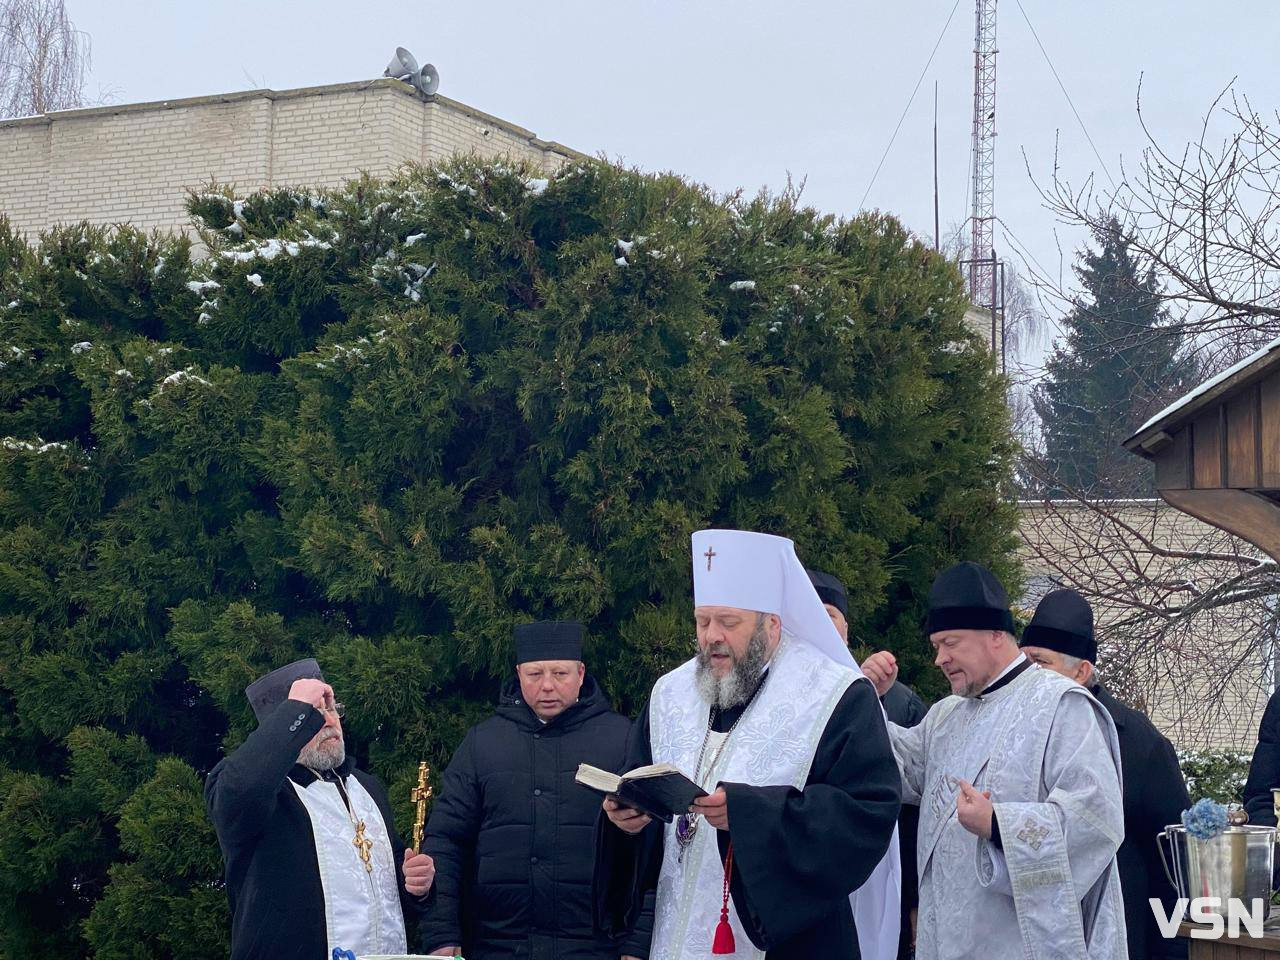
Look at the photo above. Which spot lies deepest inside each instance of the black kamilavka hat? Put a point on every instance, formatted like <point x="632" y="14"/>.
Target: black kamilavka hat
<point x="548" y="640"/>
<point x="968" y="597"/>
<point x="1063" y="621"/>
<point x="269" y="691"/>
<point x="830" y="590"/>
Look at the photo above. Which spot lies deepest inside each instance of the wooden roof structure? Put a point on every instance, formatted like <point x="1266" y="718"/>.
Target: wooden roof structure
<point x="1217" y="450"/>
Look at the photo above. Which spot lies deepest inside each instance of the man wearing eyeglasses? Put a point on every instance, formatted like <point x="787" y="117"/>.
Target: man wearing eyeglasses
<point x="313" y="860"/>
<point x="511" y="831"/>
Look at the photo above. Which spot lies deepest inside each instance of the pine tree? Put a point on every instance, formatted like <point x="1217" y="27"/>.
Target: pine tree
<point x="1119" y="362"/>
<point x="385" y="423"/>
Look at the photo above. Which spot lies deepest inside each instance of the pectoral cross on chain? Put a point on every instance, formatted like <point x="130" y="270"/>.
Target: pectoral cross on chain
<point x="709" y="554"/>
<point x="365" y="846"/>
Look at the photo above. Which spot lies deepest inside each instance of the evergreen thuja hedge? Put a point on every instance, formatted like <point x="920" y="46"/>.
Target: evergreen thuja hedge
<point x="384" y="424"/>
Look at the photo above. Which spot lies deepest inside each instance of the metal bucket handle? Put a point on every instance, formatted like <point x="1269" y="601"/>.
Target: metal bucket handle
<point x="1173" y="873"/>
<point x="1163" y="837"/>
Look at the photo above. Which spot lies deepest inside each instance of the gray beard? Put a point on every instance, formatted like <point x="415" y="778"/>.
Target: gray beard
<point x="323" y="756"/>
<point x="735" y="687"/>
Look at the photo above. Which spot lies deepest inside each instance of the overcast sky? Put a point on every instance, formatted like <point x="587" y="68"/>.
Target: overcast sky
<point x="741" y="93"/>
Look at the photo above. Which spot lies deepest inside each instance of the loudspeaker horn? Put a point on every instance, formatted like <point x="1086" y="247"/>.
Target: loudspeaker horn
<point x="427" y="80"/>
<point x="401" y="65"/>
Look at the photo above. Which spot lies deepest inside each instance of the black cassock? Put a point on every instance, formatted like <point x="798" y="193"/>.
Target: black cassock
<point x="1264" y="770"/>
<point x="797" y="855"/>
<point x="903" y="706"/>
<point x="1155" y="794"/>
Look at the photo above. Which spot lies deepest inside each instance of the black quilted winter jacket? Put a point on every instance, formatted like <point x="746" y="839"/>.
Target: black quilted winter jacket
<point x="512" y="835"/>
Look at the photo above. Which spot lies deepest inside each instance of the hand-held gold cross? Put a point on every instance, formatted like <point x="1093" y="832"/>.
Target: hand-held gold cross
<point x="420" y="795"/>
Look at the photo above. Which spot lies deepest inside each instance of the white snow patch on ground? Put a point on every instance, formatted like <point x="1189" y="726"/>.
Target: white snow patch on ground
<point x="742" y="285"/>
<point x="84" y="346"/>
<point x="254" y="279"/>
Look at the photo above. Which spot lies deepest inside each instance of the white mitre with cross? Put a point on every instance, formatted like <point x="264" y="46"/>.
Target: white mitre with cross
<point x="761" y="572"/>
<point x="757" y="571"/>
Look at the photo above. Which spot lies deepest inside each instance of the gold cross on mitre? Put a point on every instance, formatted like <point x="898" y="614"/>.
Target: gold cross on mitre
<point x="709" y="554"/>
<point x="365" y="846"/>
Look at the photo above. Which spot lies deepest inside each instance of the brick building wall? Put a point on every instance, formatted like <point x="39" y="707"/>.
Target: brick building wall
<point x="1206" y="683"/>
<point x="134" y="163"/>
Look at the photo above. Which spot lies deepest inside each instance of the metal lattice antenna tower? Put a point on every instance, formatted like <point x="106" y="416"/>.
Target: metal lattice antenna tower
<point x="982" y="273"/>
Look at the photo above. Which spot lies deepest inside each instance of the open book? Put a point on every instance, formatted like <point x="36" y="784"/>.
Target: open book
<point x="660" y="790"/>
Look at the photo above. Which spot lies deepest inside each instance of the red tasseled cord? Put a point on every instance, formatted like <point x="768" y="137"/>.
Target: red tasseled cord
<point x="723" y="943"/>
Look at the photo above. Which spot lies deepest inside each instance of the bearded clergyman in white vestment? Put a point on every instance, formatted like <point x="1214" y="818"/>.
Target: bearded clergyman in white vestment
<point x="793" y="855"/>
<point x="1018" y="780"/>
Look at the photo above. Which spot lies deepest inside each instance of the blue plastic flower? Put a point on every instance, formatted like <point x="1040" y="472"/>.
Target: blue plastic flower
<point x="1205" y="820"/>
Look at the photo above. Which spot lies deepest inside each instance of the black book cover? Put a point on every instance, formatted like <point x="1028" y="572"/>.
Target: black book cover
<point x="662" y="796"/>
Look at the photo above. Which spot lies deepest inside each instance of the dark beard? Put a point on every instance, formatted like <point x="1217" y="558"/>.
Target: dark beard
<point x="735" y="687"/>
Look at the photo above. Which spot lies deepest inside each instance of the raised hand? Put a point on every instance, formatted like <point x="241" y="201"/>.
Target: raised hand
<point x="315" y="692"/>
<point x="882" y="670"/>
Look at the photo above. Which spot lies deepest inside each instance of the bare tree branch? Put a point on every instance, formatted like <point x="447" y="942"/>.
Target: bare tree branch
<point x="1207" y="218"/>
<point x="1186" y="613"/>
<point x="43" y="58"/>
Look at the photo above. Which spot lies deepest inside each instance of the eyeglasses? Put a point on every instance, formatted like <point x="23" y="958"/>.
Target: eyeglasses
<point x="338" y="710"/>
